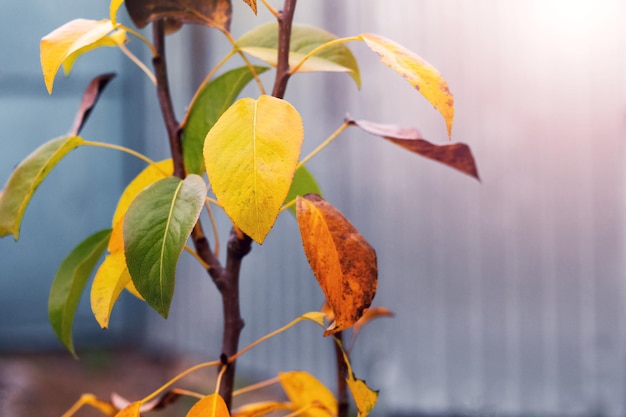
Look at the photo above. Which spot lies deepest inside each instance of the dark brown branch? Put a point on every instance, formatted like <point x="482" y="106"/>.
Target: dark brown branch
<point x="284" y="41"/>
<point x="165" y="99"/>
<point x="342" y="385"/>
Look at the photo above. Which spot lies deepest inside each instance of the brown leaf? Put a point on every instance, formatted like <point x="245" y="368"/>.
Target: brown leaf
<point x="90" y="97"/>
<point x="213" y="13"/>
<point x="456" y="155"/>
<point x="252" y="4"/>
<point x="342" y="260"/>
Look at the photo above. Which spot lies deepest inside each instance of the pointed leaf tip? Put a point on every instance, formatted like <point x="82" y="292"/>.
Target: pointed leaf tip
<point x="420" y="74"/>
<point x="156" y="228"/>
<point x="252" y="4"/>
<point x="457" y="155"/>
<point x="342" y="261"/>
<point x="68" y="284"/>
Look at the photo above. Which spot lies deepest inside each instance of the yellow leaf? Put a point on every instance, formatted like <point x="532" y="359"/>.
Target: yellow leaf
<point x="150" y="175"/>
<point x="261" y="408"/>
<point x="343" y="262"/>
<point x="62" y="42"/>
<point x="420" y="74"/>
<point x="113" y="8"/>
<point x="308" y="394"/>
<point x="111" y="278"/>
<point x="315" y="316"/>
<point x="364" y="397"/>
<point x="250" y="157"/>
<point x="212" y="405"/>
<point x="114" y="39"/>
<point x="132" y="410"/>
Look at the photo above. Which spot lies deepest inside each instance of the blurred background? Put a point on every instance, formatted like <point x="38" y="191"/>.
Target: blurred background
<point x="509" y="294"/>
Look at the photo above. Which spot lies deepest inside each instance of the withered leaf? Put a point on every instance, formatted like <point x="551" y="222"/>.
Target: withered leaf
<point x="90" y="97"/>
<point x="252" y="4"/>
<point x="213" y="13"/>
<point x="456" y="155"/>
<point x="342" y="260"/>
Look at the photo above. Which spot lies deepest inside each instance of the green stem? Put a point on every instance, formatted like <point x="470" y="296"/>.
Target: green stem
<point x="321" y="48"/>
<point x="324" y="144"/>
<point x="122" y="149"/>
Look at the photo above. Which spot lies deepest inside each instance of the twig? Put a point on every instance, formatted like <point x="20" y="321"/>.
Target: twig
<point x="284" y="41"/>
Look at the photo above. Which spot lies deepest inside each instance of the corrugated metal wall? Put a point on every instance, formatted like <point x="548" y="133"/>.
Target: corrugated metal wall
<point x="509" y="294"/>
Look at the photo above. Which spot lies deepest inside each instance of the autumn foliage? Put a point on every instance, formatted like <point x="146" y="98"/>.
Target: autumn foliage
<point x="242" y="156"/>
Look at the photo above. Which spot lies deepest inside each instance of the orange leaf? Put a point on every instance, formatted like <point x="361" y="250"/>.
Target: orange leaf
<point x="341" y="259"/>
<point x="252" y="4"/>
<point x="212" y="405"/>
<point x="420" y="74"/>
<point x="261" y="408"/>
<point x="132" y="410"/>
<point x="371" y="314"/>
<point x="457" y="155"/>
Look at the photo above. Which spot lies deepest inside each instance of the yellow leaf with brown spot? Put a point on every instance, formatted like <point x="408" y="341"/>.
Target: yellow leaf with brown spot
<point x="252" y="4"/>
<point x="342" y="260"/>
<point x="212" y="405"/>
<point x="250" y="156"/>
<point x="308" y="394"/>
<point x="420" y="74"/>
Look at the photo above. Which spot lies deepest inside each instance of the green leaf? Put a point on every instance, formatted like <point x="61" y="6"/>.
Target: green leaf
<point x="213" y="13"/>
<point x="61" y="43"/>
<point x="250" y="156"/>
<point x="25" y="179"/>
<point x="213" y="100"/>
<point x="156" y="228"/>
<point x="69" y="282"/>
<point x="262" y="43"/>
<point x="303" y="183"/>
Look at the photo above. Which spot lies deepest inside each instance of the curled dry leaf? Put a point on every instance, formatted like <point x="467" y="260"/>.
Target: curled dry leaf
<point x="213" y="13"/>
<point x="342" y="260"/>
<point x="456" y="155"/>
<point x="90" y="97"/>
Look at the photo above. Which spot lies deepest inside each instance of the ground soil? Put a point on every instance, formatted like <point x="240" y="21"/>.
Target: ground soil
<point x="46" y="385"/>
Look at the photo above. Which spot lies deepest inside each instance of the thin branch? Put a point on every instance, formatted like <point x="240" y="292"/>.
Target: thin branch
<point x="271" y="9"/>
<point x="165" y="98"/>
<point x="137" y="62"/>
<point x="284" y="40"/>
<point x="342" y="372"/>
<point x="324" y="144"/>
<point x="320" y="49"/>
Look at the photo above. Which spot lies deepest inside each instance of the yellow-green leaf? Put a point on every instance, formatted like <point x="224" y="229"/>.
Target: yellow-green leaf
<point x="308" y="394"/>
<point x="364" y="397"/>
<point x="261" y="408"/>
<point x="156" y="228"/>
<point x="69" y="282"/>
<point x="62" y="42"/>
<point x="109" y="282"/>
<point x="114" y="39"/>
<point x="262" y="43"/>
<point x="25" y="179"/>
<point x="150" y="175"/>
<point x="250" y="156"/>
<point x="113" y="8"/>
<point x="212" y="405"/>
<point x="420" y="74"/>
<point x="342" y="260"/>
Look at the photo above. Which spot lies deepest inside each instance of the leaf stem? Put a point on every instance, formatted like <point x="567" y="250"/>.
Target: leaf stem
<point x="321" y="48"/>
<point x="271" y="9"/>
<point x="205" y="81"/>
<point x="137" y="62"/>
<point x="256" y="386"/>
<point x="243" y="56"/>
<point x="216" y="235"/>
<point x="120" y="148"/>
<point x="323" y="144"/>
<point x="141" y="38"/>
<point x="198" y="258"/>
<point x="179" y="377"/>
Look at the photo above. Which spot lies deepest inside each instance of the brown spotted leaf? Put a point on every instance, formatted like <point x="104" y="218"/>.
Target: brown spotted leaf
<point x="456" y="155"/>
<point x="252" y="4"/>
<point x="213" y="13"/>
<point x="342" y="260"/>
